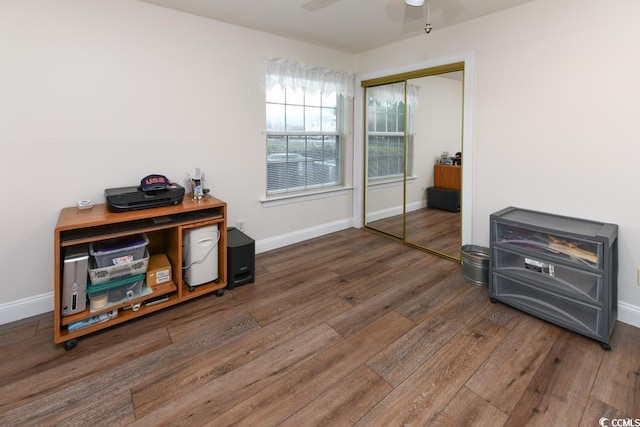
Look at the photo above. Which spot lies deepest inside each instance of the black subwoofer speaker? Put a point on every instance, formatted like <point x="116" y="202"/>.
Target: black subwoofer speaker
<point x="241" y="258"/>
<point x="443" y="198"/>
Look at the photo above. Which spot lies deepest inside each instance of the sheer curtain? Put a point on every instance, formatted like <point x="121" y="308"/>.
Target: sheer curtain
<point x="299" y="76"/>
<point x="394" y="93"/>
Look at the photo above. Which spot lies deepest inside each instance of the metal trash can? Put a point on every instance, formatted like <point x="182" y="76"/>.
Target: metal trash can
<point x="475" y="264"/>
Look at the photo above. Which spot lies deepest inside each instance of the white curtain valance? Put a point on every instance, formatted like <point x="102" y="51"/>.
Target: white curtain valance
<point x="298" y="76"/>
<point x="394" y="93"/>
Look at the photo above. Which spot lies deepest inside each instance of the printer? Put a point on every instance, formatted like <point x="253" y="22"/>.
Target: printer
<point x="154" y="191"/>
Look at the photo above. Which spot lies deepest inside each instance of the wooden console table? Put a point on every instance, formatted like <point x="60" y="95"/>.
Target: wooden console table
<point x="447" y="176"/>
<point x="164" y="228"/>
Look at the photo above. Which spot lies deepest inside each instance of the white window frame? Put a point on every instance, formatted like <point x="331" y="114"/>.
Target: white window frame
<point x="297" y="76"/>
<point x="307" y="188"/>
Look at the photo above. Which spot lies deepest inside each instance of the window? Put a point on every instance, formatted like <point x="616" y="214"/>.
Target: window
<point x="386" y="110"/>
<point x="303" y="140"/>
<point x="386" y="139"/>
<point x="304" y="129"/>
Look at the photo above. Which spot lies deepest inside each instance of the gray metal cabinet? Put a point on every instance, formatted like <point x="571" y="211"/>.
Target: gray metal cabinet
<point x="561" y="269"/>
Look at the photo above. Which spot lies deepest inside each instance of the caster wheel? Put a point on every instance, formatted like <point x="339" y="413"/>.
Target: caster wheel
<point x="605" y="346"/>
<point x="68" y="345"/>
<point x="191" y="289"/>
<point x="219" y="292"/>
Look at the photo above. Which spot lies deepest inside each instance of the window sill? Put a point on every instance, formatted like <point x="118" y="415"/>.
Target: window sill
<point x="285" y="199"/>
<point x="391" y="182"/>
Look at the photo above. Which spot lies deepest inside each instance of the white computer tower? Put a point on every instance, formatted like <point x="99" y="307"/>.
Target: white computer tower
<point x="200" y="255"/>
<point x="74" y="280"/>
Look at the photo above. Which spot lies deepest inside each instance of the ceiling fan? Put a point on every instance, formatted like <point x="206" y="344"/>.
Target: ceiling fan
<point x="419" y="3"/>
<point x="314" y="5"/>
<point x="318" y="4"/>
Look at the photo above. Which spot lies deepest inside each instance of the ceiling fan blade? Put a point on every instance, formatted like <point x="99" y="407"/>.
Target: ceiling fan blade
<point x="314" y="5"/>
<point x="412" y="13"/>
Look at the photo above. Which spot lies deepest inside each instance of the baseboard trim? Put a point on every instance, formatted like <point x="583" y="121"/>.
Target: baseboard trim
<point x="629" y="314"/>
<point x="26" y="307"/>
<point x="396" y="210"/>
<point x="280" y="241"/>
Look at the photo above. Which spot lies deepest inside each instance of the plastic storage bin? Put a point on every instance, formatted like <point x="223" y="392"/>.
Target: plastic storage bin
<point x="561" y="269"/>
<point x="108" y="253"/>
<point x="107" y="274"/>
<point x="114" y="292"/>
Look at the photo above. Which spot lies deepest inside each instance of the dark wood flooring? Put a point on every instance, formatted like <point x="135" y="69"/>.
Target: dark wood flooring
<point x="435" y="229"/>
<point x="346" y="329"/>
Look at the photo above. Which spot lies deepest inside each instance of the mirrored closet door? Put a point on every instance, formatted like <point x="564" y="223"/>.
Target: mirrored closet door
<point x="414" y="159"/>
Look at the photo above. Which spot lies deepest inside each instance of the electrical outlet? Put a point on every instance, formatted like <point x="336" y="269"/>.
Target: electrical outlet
<point x="240" y="224"/>
<point x="638" y="276"/>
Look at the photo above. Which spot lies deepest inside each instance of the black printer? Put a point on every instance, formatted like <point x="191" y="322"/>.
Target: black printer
<point x="154" y="191"/>
<point x="132" y="198"/>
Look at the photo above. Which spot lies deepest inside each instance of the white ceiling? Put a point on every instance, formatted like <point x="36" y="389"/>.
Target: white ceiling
<point x="347" y="25"/>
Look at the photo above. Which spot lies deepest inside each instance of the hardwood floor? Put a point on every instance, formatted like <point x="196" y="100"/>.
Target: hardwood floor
<point x="346" y="329"/>
<point x="431" y="228"/>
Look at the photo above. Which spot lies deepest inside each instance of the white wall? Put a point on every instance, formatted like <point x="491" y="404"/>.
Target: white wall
<point x="96" y="94"/>
<point x="556" y="105"/>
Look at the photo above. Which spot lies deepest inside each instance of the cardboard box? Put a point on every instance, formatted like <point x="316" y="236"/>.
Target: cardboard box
<point x="159" y="270"/>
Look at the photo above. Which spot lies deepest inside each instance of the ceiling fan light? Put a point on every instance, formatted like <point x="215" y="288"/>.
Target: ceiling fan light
<point x="414" y="2"/>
